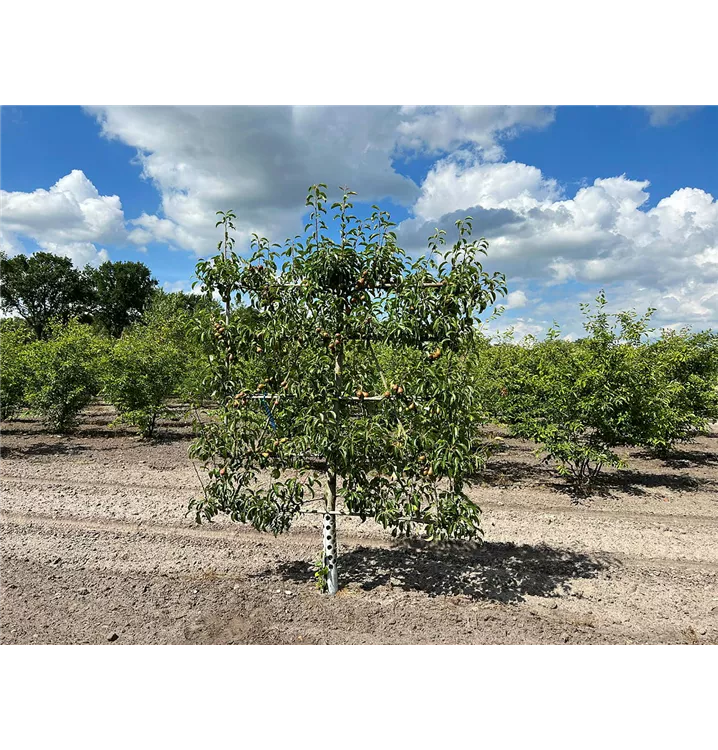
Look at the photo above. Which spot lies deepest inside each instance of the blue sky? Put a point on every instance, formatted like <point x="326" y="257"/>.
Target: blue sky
<point x="572" y="199"/>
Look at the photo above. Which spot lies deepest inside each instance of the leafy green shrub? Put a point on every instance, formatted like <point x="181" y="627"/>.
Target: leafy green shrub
<point x="577" y="400"/>
<point x="15" y="337"/>
<point x="554" y="394"/>
<point x="683" y="368"/>
<point x="183" y="317"/>
<point x="139" y="373"/>
<point x="63" y="374"/>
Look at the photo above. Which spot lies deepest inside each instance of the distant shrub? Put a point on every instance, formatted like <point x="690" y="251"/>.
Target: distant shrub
<point x="182" y="317"/>
<point x="577" y="400"/>
<point x="139" y="373"/>
<point x="63" y="374"/>
<point x="683" y="369"/>
<point x="15" y="338"/>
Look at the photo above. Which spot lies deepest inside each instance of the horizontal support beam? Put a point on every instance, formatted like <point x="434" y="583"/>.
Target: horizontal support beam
<point x="277" y="396"/>
<point x="366" y="288"/>
<point x="412" y="519"/>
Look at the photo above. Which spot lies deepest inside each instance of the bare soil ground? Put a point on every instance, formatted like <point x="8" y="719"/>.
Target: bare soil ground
<point x="96" y="548"/>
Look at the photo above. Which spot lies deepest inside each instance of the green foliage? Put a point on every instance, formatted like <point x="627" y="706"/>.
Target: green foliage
<point x="167" y="306"/>
<point x="182" y="317"/>
<point x="321" y="574"/>
<point x="121" y="293"/>
<point x="580" y="400"/>
<point x="362" y="355"/>
<point x="683" y="397"/>
<point x="41" y="288"/>
<point x="63" y="373"/>
<point x="140" y="372"/>
<point x="577" y="400"/>
<point x="15" y="338"/>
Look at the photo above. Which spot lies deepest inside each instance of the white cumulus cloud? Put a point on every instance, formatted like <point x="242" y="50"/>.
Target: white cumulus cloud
<point x="461" y="183"/>
<point x="516" y="299"/>
<point x="72" y="210"/>
<point x="260" y="161"/>
<point x="183" y="285"/>
<point x="70" y="218"/>
<point x="444" y="129"/>
<point x="81" y="253"/>
<point x="665" y="257"/>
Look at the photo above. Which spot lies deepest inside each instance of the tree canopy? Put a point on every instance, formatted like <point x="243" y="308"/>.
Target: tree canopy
<point x="42" y="287"/>
<point x="121" y="293"/>
<point x="353" y="375"/>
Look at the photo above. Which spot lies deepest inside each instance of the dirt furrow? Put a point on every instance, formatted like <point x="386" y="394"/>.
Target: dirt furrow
<point x="97" y="547"/>
<point x="62" y="483"/>
<point x="242" y="534"/>
<point x="237" y="532"/>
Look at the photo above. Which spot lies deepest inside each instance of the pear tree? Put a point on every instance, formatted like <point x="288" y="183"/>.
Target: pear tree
<point x="341" y="373"/>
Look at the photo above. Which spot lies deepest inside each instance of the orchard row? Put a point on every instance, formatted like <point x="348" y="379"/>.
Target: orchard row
<point x="620" y="385"/>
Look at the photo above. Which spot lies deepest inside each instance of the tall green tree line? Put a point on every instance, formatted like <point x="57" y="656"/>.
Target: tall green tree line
<point x="44" y="287"/>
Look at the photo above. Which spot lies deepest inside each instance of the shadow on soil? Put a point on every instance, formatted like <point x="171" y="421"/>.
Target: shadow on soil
<point x="41" y="449"/>
<point x="631" y="481"/>
<point x="505" y="473"/>
<point x="496" y="571"/>
<point x="637" y="482"/>
<point x="171" y="433"/>
<point x="684" y="459"/>
<point x="162" y="434"/>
